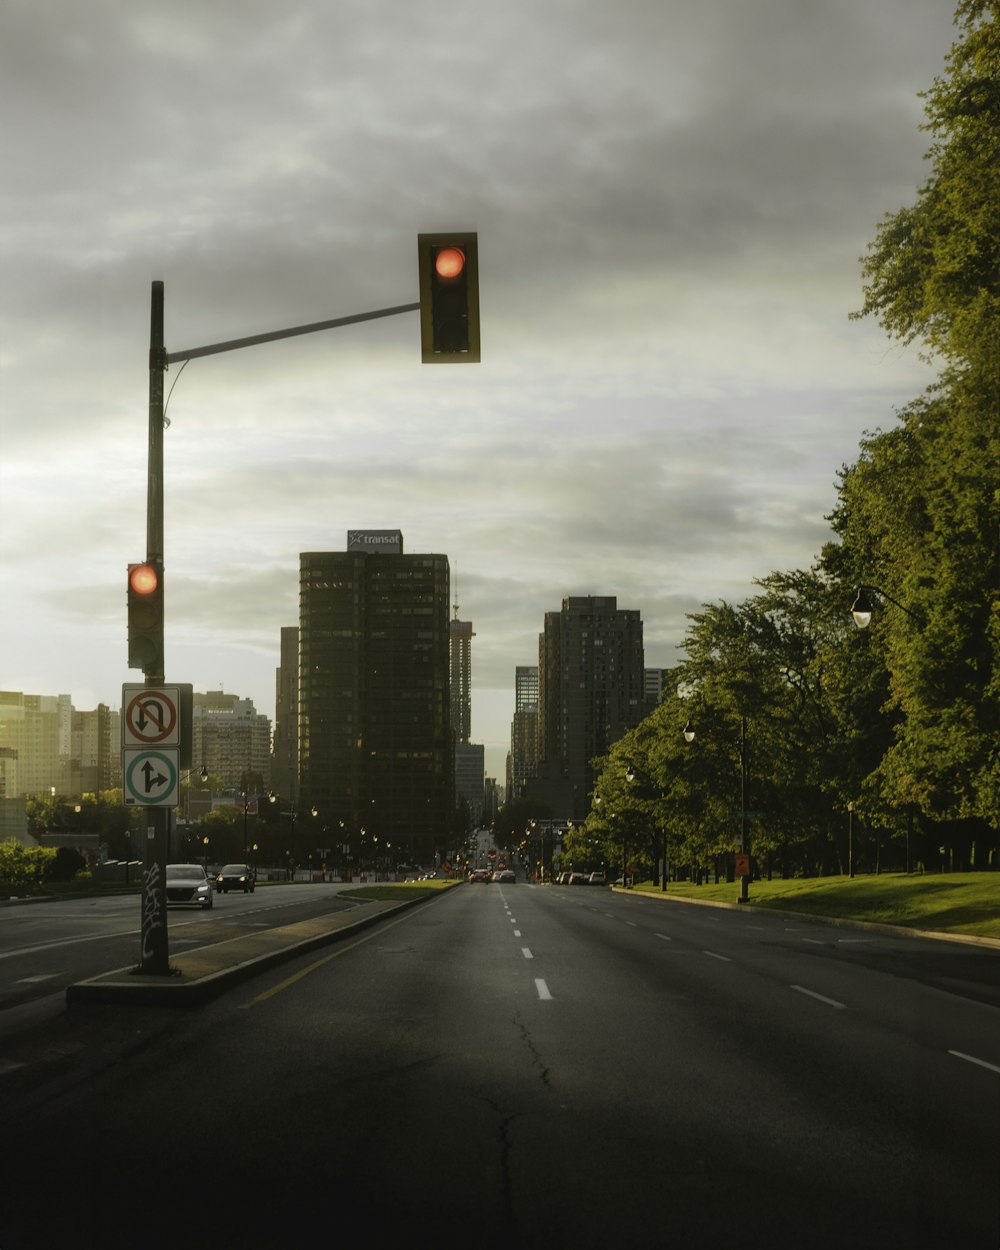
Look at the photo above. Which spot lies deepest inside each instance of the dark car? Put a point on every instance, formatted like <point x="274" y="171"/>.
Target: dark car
<point x="187" y="883"/>
<point x="235" y="877"/>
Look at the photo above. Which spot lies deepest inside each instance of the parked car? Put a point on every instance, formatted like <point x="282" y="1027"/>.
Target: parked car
<point x="235" y="877"/>
<point x="187" y="883"/>
<point x="598" y="878"/>
<point x="577" y="878"/>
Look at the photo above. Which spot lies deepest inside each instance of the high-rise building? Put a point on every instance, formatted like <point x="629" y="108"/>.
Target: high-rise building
<point x="285" y="746"/>
<point x="232" y="740"/>
<point x="470" y="780"/>
<point x="590" y="683"/>
<point x="522" y="761"/>
<point x="652" y="682"/>
<point x="375" y="743"/>
<point x="38" y="728"/>
<point x="460" y="636"/>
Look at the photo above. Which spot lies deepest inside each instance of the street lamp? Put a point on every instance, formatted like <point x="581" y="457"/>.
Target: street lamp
<point x="862" y="608"/>
<point x="850" y="838"/>
<point x="743" y="859"/>
<point x="631" y="773"/>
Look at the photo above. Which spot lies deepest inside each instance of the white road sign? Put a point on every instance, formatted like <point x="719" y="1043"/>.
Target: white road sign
<point x="151" y="778"/>
<point x="151" y="716"/>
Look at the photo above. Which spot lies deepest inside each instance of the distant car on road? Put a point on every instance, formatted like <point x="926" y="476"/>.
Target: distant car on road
<point x="235" y="877"/>
<point x="480" y="874"/>
<point x="187" y="883"/>
<point x="505" y="874"/>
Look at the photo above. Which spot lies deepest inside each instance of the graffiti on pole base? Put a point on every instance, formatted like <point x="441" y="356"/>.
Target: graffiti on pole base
<point x="152" y="915"/>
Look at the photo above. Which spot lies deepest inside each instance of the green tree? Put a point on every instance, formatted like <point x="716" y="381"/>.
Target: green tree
<point x="933" y="271"/>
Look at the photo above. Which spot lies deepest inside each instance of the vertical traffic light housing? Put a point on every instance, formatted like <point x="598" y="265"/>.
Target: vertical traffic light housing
<point x="145" y="618"/>
<point x="449" y="298"/>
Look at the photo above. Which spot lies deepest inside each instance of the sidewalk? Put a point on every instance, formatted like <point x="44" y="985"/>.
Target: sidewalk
<point x="198" y="975"/>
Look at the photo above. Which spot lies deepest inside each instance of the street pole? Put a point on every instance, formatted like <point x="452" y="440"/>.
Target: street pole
<point x="154" y="953"/>
<point x="744" y="837"/>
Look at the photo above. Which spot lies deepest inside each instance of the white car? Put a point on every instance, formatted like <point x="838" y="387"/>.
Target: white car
<point x="187" y="883"/>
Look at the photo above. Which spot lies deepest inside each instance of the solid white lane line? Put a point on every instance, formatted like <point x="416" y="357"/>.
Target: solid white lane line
<point x="832" y="1002"/>
<point x="526" y="952"/>
<point x="981" y="1063"/>
<point x="725" y="958"/>
<point x="543" y="990"/>
<point x="664" y="937"/>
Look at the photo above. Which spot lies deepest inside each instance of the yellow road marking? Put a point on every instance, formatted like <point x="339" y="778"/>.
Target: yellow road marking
<point x="341" y="950"/>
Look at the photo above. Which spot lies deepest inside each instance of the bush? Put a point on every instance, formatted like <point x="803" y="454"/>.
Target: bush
<point x="25" y="865"/>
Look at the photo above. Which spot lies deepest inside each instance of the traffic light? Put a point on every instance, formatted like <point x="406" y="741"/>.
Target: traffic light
<point x="449" y="298"/>
<point x="145" y="618"/>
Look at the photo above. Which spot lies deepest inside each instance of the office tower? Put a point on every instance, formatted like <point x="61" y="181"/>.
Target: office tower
<point x="590" y="683"/>
<point x="285" y="747"/>
<point x="232" y="740"/>
<point x="522" y="761"/>
<point x="460" y="636"/>
<point x="375" y="744"/>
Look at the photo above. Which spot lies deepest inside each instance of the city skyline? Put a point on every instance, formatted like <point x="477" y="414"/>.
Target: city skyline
<point x="670" y="208"/>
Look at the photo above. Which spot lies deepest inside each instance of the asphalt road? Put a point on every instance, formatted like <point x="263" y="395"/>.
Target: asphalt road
<point x="523" y="1067"/>
<point x="47" y="945"/>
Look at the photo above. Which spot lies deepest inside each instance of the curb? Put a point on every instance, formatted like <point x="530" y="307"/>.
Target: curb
<point x="936" y="935"/>
<point x="124" y="986"/>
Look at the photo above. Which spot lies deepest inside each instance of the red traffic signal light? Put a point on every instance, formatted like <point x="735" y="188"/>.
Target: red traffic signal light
<point x="143" y="579"/>
<point x="449" y="298"/>
<point x="145" y="618"/>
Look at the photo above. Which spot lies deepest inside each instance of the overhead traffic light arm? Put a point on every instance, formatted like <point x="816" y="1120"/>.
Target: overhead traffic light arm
<point x="233" y="345"/>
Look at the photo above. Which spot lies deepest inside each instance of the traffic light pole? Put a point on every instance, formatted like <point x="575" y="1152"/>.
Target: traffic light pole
<point x="154" y="954"/>
<point x="154" y="957"/>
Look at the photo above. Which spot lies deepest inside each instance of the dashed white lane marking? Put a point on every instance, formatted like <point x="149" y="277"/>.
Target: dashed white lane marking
<point x="813" y="942"/>
<point x="44" y="976"/>
<point x="631" y="924"/>
<point x="725" y="958"/>
<point x="526" y="953"/>
<point x="663" y="937"/>
<point x="981" y="1063"/>
<point x="517" y="932"/>
<point x="543" y="990"/>
<point x="831" y="1002"/>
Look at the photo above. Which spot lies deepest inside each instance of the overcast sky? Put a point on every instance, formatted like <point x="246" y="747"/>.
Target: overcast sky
<point x="671" y="198"/>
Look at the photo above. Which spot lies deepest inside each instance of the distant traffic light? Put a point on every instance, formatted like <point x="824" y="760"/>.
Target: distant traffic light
<point x="145" y="618"/>
<point x="449" y="298"/>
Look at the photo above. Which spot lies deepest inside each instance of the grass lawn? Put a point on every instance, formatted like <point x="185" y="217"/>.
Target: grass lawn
<point x="957" y="902"/>
<point x="397" y="891"/>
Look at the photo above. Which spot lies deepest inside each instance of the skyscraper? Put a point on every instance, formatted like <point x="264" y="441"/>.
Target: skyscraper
<point x="590" y="681"/>
<point x="523" y="758"/>
<point x="375" y="747"/>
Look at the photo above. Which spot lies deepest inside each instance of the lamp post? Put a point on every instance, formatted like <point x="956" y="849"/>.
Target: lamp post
<point x="850" y="838"/>
<point x="743" y="860"/>
<point x="862" y="608"/>
<point x="631" y="774"/>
